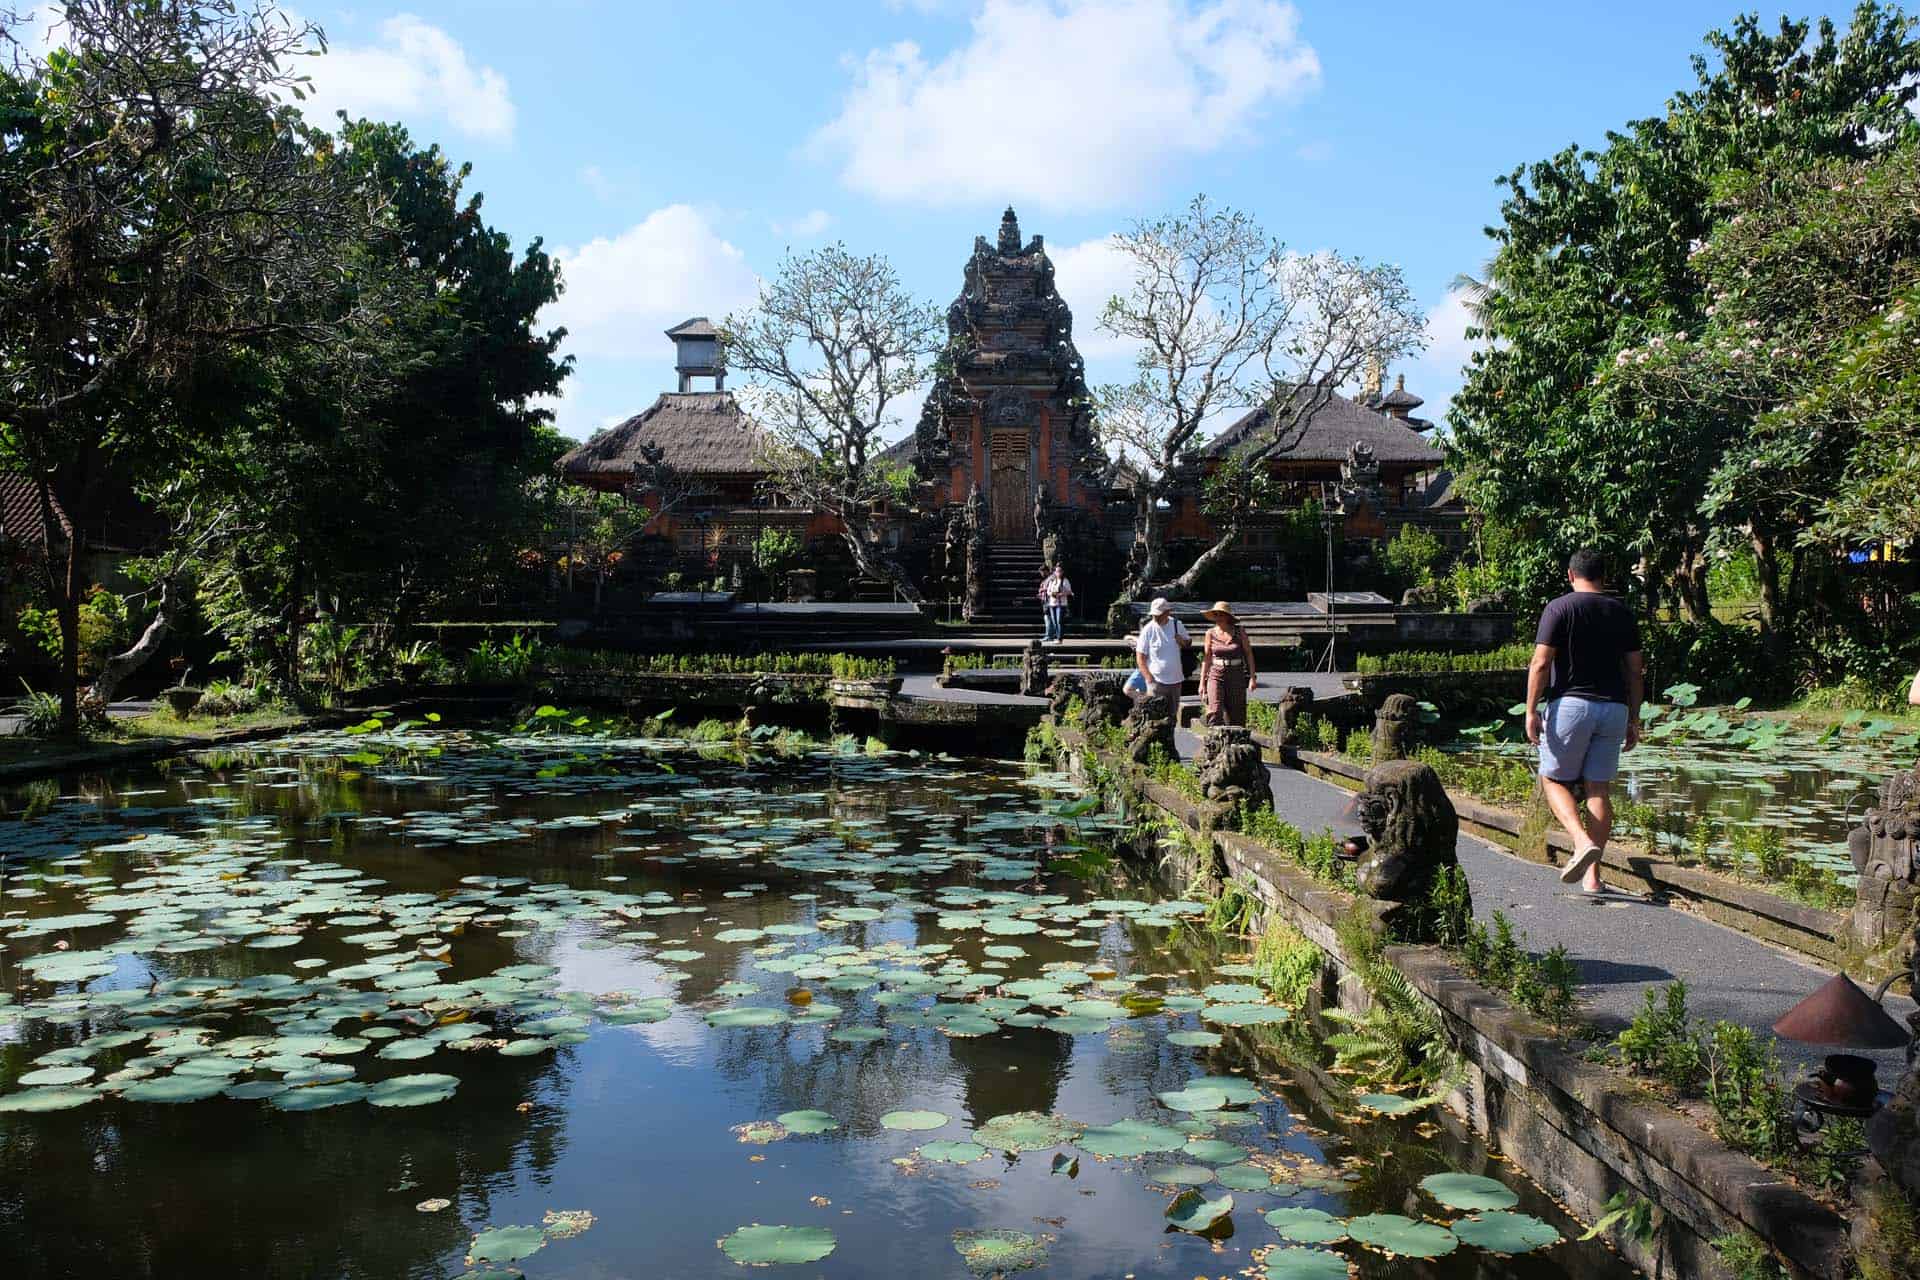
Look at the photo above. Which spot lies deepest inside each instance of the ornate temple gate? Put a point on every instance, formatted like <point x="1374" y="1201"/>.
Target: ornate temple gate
<point x="1010" y="498"/>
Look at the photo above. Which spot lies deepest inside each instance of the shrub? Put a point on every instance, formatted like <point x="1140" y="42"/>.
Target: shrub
<point x="39" y="713"/>
<point x="1726" y="661"/>
<point x="1508" y="657"/>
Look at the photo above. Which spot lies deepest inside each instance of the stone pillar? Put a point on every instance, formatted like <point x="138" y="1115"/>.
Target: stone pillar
<point x="1033" y="670"/>
<point x="1295" y="701"/>
<point x="1886" y="852"/>
<point x="1394" y="727"/>
<point x="1230" y="769"/>
<point x="1412" y="835"/>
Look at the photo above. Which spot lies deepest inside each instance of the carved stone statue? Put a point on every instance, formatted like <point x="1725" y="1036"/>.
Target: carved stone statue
<point x="1150" y="724"/>
<point x="1360" y="470"/>
<point x="1231" y="770"/>
<point x="1041" y="522"/>
<point x="1886" y="852"/>
<point x="1104" y="701"/>
<point x="1394" y="727"/>
<point x="1033" y="670"/>
<point x="1295" y="701"/>
<point x="1412" y="833"/>
<point x="975" y="600"/>
<point x="1893" y="1134"/>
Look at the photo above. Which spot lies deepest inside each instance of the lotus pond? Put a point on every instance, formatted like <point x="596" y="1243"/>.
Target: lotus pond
<point x="1747" y="775"/>
<point x="430" y="1002"/>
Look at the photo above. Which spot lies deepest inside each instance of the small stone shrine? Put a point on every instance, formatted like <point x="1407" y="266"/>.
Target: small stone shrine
<point x="1033" y="670"/>
<point x="1395" y="726"/>
<point x="1295" y="701"/>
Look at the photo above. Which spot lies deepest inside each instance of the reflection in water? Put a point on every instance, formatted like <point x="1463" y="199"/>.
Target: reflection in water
<point x="893" y="890"/>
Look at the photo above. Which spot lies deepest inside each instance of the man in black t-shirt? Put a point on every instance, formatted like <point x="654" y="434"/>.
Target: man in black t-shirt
<point x="1587" y="668"/>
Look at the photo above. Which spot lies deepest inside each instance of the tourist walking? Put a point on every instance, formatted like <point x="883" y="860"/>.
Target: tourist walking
<point x="1158" y="652"/>
<point x="1587" y="667"/>
<point x="1055" y="592"/>
<point x="1226" y="667"/>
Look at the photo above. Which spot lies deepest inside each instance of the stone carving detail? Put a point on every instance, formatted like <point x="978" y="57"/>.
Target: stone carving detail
<point x="1231" y="770"/>
<point x="1886" y="852"/>
<point x="1412" y="833"/>
<point x="1007" y="407"/>
<point x="1295" y="701"/>
<point x="1033" y="670"/>
<point x="1009" y="233"/>
<point x="1893" y="1135"/>
<point x="1104" y="701"/>
<point x="975" y="601"/>
<point x="1395" y="726"/>
<point x="1150" y="724"/>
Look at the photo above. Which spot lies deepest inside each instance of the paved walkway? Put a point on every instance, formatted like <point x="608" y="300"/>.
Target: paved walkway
<point x="1623" y="945"/>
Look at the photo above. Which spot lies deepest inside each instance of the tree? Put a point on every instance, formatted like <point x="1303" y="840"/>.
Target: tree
<point x="158" y="208"/>
<point x="1813" y="281"/>
<point x="391" y="472"/>
<point x="601" y="529"/>
<point x="1593" y="257"/>
<point x="1227" y="319"/>
<point x="833" y="345"/>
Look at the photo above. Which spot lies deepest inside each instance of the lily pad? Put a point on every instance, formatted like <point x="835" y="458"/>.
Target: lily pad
<point x="1468" y="1191"/>
<point x="1019" y="1131"/>
<point x="808" y="1122"/>
<point x="763" y="1246"/>
<point x="1245" y="1177"/>
<point x="1125" y="1138"/>
<point x="1194" y="1039"/>
<point x="175" y="1088"/>
<point x="914" y="1121"/>
<point x="746" y="1016"/>
<point x="506" y="1244"/>
<point x="48" y="1098"/>
<point x="1214" y="1151"/>
<point x="1296" y="1263"/>
<point x="1192" y="1211"/>
<point x="1506" y="1233"/>
<point x="947" y="1152"/>
<point x="1307" y="1226"/>
<point x="1401" y="1236"/>
<point x="997" y="1251"/>
<point x="412" y="1091"/>
<point x="1194" y="1099"/>
<point x="1393" y="1104"/>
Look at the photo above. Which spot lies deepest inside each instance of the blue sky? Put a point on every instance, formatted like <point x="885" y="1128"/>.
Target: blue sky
<point x="672" y="152"/>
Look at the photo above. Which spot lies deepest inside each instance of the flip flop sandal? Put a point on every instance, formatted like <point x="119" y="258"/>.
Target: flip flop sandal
<point x="1577" y="865"/>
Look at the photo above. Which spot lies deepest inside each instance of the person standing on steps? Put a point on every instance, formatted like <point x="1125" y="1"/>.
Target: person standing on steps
<point x="1157" y="653"/>
<point x="1055" y="592"/>
<point x="1587" y="667"/>
<point x="1226" y="667"/>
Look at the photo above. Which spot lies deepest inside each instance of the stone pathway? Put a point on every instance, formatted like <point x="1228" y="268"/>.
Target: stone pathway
<point x="1623" y="945"/>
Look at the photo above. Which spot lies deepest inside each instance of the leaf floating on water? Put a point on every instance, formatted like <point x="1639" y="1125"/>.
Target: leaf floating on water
<point x="1468" y="1191"/>
<point x="746" y="1016"/>
<point x="1064" y="1163"/>
<point x="1506" y="1233"/>
<point x="947" y="1152"/>
<point x="1194" y="1039"/>
<point x="434" y="1205"/>
<point x="1296" y="1263"/>
<point x="1192" y="1211"/>
<point x="1394" y="1234"/>
<point x="759" y="1132"/>
<point x="808" y="1122"/>
<point x="1307" y="1226"/>
<point x="412" y="1091"/>
<point x="48" y="1098"/>
<point x="1019" y="1131"/>
<point x="506" y="1244"/>
<point x="998" y="1251"/>
<point x="1194" y="1099"/>
<point x="914" y="1121"/>
<point x="1129" y="1138"/>
<point x="1245" y="1177"/>
<point x="565" y="1224"/>
<point x="762" y="1246"/>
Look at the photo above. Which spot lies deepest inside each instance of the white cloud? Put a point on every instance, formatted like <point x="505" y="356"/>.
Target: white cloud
<point x="622" y="293"/>
<point x="414" y="71"/>
<point x="1438" y="371"/>
<point x="1088" y="274"/>
<point x="805" y="227"/>
<point x="1065" y="103"/>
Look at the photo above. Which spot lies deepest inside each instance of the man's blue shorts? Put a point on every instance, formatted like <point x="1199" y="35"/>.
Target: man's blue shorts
<point x="1580" y="739"/>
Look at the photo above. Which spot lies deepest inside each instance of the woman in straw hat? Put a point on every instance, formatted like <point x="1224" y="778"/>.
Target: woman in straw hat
<point x="1226" y="667"/>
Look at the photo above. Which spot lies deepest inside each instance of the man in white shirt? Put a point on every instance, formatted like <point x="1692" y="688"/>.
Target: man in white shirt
<point x="1163" y="638"/>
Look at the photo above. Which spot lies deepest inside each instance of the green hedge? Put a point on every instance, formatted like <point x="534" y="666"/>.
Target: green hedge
<point x="1508" y="657"/>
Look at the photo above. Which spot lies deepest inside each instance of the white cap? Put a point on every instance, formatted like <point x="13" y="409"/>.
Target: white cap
<point x="1159" y="606"/>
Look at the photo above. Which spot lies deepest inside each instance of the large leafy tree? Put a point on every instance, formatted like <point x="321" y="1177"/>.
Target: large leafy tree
<point x="1226" y="319"/>
<point x="831" y="349"/>
<point x="162" y="209"/>
<point x="378" y="477"/>
<point x="1593" y="257"/>
<point x="1808" y="353"/>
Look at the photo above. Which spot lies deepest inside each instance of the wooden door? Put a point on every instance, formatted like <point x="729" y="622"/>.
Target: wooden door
<point x="1010" y="500"/>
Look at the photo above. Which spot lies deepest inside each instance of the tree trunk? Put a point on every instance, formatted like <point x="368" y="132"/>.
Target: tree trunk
<point x="1181" y="587"/>
<point x="872" y="565"/>
<point x="69" y="611"/>
<point x="122" y="665"/>
<point x="1148" y="536"/>
<point x="1772" y="604"/>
